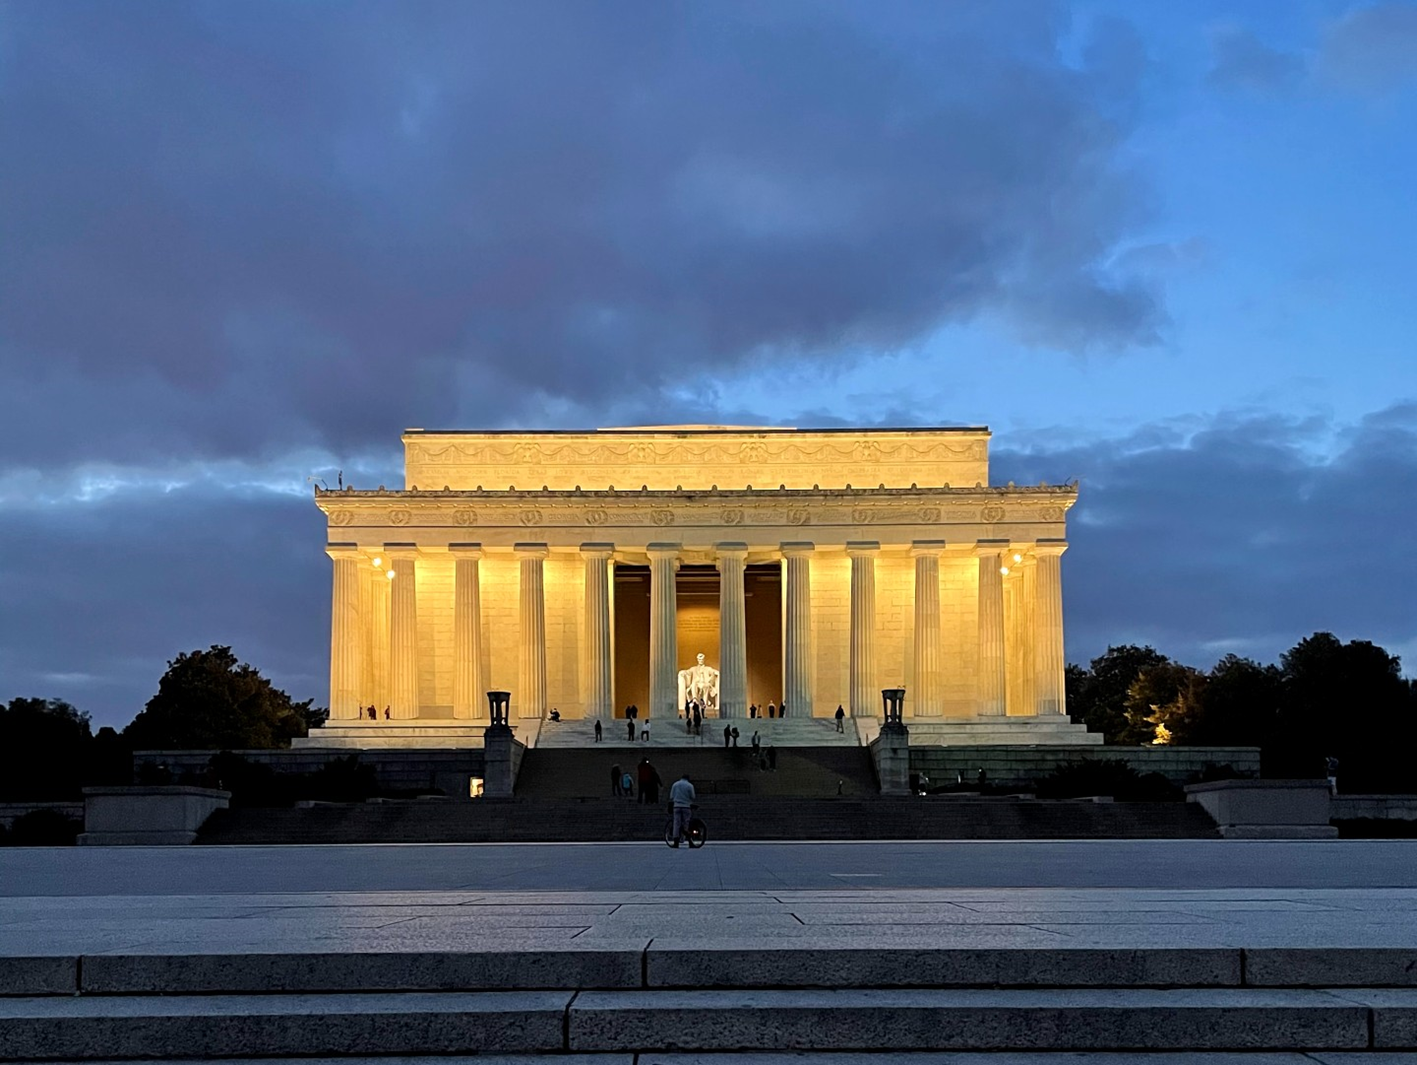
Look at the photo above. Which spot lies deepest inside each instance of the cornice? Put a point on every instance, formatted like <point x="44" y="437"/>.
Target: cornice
<point x="714" y="509"/>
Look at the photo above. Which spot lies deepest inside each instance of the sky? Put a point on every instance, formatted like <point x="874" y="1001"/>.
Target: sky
<point x="1164" y="249"/>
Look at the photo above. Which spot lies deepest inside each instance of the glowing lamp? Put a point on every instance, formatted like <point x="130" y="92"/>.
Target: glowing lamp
<point x="391" y="574"/>
<point x="1004" y="570"/>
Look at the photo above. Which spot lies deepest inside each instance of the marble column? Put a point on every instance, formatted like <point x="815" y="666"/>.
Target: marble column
<point x="468" y="700"/>
<point x="990" y="700"/>
<point x="1024" y="649"/>
<point x="663" y="633"/>
<point x="929" y="680"/>
<point x="401" y="561"/>
<point x="599" y="669"/>
<point x="865" y="695"/>
<point x="530" y="696"/>
<point x="346" y="632"/>
<point x="797" y="684"/>
<point x="733" y="631"/>
<point x="1048" y="657"/>
<point x="381" y="592"/>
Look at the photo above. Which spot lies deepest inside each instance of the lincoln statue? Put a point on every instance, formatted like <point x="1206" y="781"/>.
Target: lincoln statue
<point x="699" y="683"/>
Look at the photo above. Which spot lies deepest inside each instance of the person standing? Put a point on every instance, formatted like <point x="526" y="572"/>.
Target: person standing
<point x="682" y="796"/>
<point x="757" y="744"/>
<point x="772" y="709"/>
<point x="772" y="757"/>
<point x="727" y="734"/>
<point x="840" y="718"/>
<point x="735" y="735"/>
<point x="645" y="776"/>
<point x="782" y="708"/>
<point x="615" y="789"/>
<point x="644" y="730"/>
<point x="630" y="729"/>
<point x="698" y="721"/>
<point x="1331" y="771"/>
<point x="598" y="735"/>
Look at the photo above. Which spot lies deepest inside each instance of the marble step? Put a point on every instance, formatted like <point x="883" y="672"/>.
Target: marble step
<point x="410" y="1023"/>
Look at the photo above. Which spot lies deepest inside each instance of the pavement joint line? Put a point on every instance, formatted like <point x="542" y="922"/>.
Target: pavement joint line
<point x="566" y="1023"/>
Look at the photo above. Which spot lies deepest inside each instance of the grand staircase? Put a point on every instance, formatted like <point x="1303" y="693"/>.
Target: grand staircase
<point x="729" y="817"/>
<point x="670" y="733"/>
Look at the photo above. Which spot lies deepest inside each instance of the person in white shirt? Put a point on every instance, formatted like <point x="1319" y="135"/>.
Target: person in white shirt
<point x="681" y="795"/>
<point x="644" y="730"/>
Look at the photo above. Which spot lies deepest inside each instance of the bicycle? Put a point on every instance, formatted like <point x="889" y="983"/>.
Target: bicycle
<point x="697" y="830"/>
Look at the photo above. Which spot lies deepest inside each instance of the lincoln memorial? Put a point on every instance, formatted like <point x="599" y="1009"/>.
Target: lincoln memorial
<point x="587" y="571"/>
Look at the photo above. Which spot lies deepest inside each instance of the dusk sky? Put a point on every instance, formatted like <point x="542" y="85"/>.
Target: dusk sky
<point x="1168" y="249"/>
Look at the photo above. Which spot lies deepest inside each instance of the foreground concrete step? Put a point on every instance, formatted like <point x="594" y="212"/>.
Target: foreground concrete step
<point x="990" y="1020"/>
<point x="87" y="1028"/>
<point x="751" y="1057"/>
<point x="747" y="962"/>
<point x="106" y="1027"/>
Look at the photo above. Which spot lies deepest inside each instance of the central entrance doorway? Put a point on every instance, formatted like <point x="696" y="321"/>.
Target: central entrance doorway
<point x="696" y="621"/>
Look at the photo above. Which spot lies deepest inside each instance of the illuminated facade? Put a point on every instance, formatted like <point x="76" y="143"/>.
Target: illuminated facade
<point x="584" y="570"/>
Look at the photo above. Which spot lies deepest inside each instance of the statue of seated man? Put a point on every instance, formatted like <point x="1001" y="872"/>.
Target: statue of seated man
<point x="700" y="683"/>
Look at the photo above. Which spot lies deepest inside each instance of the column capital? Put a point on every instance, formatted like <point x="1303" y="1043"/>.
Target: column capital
<point x="601" y="551"/>
<point x="863" y="548"/>
<point x="531" y="550"/>
<point x="347" y="552"/>
<point x="926" y="548"/>
<point x="465" y="551"/>
<point x="731" y="549"/>
<point x="663" y="550"/>
<point x="990" y="548"/>
<point x="797" y="548"/>
<point x="1049" y="548"/>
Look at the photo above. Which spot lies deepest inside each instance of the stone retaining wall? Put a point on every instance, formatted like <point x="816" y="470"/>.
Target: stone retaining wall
<point x="11" y="811"/>
<point x="1020" y="766"/>
<point x="1374" y="807"/>
<point x="396" y="770"/>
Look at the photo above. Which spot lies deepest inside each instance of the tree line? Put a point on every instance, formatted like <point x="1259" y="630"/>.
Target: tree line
<point x="1325" y="698"/>
<point x="206" y="700"/>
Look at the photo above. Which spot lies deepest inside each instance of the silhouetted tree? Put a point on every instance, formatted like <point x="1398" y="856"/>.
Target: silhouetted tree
<point x="43" y="744"/>
<point x="1164" y="703"/>
<point x="207" y="699"/>
<point x="1348" y="700"/>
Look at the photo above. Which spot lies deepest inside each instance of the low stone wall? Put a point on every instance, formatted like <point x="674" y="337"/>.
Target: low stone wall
<point x="1373" y="807"/>
<point x="444" y="770"/>
<point x="12" y="811"/>
<point x="161" y="815"/>
<point x="1266" y="809"/>
<point x="1021" y="766"/>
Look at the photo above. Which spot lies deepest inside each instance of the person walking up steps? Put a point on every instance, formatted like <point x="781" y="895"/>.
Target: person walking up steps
<point x="840" y="718"/>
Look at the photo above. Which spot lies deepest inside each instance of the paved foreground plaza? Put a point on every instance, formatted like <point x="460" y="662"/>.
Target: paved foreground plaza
<point x="1291" y="951"/>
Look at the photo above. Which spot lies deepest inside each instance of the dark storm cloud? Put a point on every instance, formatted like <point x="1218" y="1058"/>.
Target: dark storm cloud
<point x="232" y="229"/>
<point x="1239" y="533"/>
<point x="99" y="595"/>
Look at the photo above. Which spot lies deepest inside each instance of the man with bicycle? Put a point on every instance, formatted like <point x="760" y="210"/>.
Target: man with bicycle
<point x="681" y="797"/>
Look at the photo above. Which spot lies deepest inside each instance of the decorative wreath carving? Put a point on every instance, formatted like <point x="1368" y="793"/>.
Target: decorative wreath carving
<point x="1051" y="513"/>
<point x="861" y="516"/>
<point x="527" y="454"/>
<point x="342" y="517"/>
<point x="799" y="517"/>
<point x="399" y="517"/>
<point x="992" y="512"/>
<point x="530" y="517"/>
<point x="930" y="515"/>
<point x="662" y="517"/>
<point x="464" y="517"/>
<point x="732" y="517"/>
<point x="641" y="452"/>
<point x="752" y="452"/>
<point x="596" y="517"/>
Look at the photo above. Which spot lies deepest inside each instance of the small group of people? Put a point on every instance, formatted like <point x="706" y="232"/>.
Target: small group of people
<point x="694" y="717"/>
<point x="645" y="778"/>
<point x="764" y="758"/>
<point x="730" y="735"/>
<point x="372" y="713"/>
<point x="773" y="710"/>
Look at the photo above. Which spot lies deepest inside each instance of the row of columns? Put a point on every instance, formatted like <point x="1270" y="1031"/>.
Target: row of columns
<point x="1042" y="668"/>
